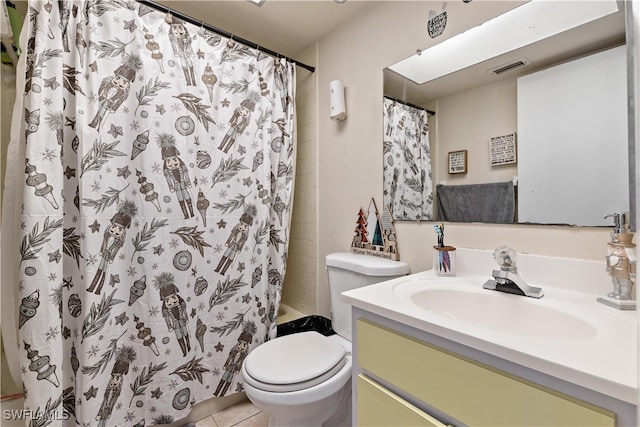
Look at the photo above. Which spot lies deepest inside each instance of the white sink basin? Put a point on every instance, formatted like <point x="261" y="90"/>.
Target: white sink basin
<point x="566" y="334"/>
<point x="504" y="313"/>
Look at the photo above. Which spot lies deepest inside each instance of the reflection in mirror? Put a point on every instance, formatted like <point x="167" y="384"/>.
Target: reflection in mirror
<point x="484" y="101"/>
<point x="572" y="118"/>
<point x="408" y="189"/>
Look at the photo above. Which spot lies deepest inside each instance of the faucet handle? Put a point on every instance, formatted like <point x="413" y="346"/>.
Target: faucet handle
<point x="506" y="258"/>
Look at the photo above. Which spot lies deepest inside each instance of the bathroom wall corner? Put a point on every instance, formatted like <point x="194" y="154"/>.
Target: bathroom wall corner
<point x="7" y="99"/>
<point x="300" y="284"/>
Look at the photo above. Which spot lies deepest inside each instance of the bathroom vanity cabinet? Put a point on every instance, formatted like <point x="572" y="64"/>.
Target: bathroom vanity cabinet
<point x="403" y="376"/>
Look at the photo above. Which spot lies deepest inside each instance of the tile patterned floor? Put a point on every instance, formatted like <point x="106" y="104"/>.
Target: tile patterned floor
<point x="243" y="414"/>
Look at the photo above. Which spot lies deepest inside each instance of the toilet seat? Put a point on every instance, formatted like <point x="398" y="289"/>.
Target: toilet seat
<point x="294" y="362"/>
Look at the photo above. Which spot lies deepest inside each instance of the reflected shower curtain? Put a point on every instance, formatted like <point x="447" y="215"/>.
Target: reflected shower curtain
<point x="156" y="191"/>
<point x="408" y="189"/>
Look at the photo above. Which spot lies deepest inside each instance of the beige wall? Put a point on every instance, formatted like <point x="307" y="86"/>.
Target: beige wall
<point x="300" y="283"/>
<point x="467" y="121"/>
<point x="350" y="152"/>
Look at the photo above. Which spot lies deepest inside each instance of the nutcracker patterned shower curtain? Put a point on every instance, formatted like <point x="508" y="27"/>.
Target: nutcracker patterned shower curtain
<point x="154" y="187"/>
<point x="408" y="190"/>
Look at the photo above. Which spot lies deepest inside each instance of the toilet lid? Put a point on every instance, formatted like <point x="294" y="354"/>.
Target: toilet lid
<point x="294" y="362"/>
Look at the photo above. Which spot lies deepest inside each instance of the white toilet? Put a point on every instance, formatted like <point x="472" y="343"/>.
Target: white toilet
<point x="304" y="379"/>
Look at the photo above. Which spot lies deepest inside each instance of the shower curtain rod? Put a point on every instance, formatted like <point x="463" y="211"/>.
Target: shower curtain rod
<point x="433" y="113"/>
<point x="223" y="33"/>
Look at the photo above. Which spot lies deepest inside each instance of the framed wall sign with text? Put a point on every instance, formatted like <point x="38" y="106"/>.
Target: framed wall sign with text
<point x="458" y="161"/>
<point x="502" y="150"/>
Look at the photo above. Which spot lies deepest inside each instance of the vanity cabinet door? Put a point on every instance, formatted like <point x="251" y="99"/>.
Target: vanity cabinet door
<point x="473" y="393"/>
<point x="378" y="406"/>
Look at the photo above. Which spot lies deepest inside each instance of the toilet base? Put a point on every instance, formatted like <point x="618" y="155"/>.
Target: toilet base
<point x="335" y="411"/>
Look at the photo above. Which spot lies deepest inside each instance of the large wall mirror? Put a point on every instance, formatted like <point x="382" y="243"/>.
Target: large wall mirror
<point x="536" y="134"/>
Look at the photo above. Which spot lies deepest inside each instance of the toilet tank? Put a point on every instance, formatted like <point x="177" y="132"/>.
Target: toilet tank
<point x="349" y="271"/>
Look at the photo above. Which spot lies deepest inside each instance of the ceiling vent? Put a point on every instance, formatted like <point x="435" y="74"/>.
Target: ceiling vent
<point x="510" y="66"/>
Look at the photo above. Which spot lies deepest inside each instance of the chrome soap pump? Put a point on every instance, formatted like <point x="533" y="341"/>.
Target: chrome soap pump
<point x="621" y="264"/>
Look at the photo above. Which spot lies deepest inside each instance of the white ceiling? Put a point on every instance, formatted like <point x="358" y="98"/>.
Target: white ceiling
<point x="284" y="26"/>
<point x="594" y="36"/>
<point x="291" y="26"/>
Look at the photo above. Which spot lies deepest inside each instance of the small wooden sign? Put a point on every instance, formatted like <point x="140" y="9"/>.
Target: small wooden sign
<point x="458" y="161"/>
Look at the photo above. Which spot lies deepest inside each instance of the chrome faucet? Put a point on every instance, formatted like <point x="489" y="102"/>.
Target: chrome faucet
<point x="507" y="279"/>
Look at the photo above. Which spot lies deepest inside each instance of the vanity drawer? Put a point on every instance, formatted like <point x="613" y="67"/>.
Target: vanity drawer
<point x="378" y="406"/>
<point x="473" y="393"/>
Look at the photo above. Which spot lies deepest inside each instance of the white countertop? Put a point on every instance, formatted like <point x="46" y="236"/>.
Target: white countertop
<point x="604" y="360"/>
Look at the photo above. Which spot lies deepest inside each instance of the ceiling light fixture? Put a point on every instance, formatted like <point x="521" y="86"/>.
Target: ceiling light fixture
<point x="525" y="24"/>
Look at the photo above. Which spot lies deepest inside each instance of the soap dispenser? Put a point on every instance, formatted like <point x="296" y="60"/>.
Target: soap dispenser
<point x="621" y="264"/>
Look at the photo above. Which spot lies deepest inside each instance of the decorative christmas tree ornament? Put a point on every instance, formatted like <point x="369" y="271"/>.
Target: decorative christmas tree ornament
<point x="201" y="329"/>
<point x="278" y="207"/>
<point x="75" y="362"/>
<point x="202" y="205"/>
<point x="32" y="121"/>
<point x="144" y="333"/>
<point x="203" y="159"/>
<point x="181" y="399"/>
<point x="147" y="189"/>
<point x="209" y="79"/>
<point x="41" y="365"/>
<point x="39" y="182"/>
<point x="200" y="286"/>
<point x="74" y="305"/>
<point x="154" y="48"/>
